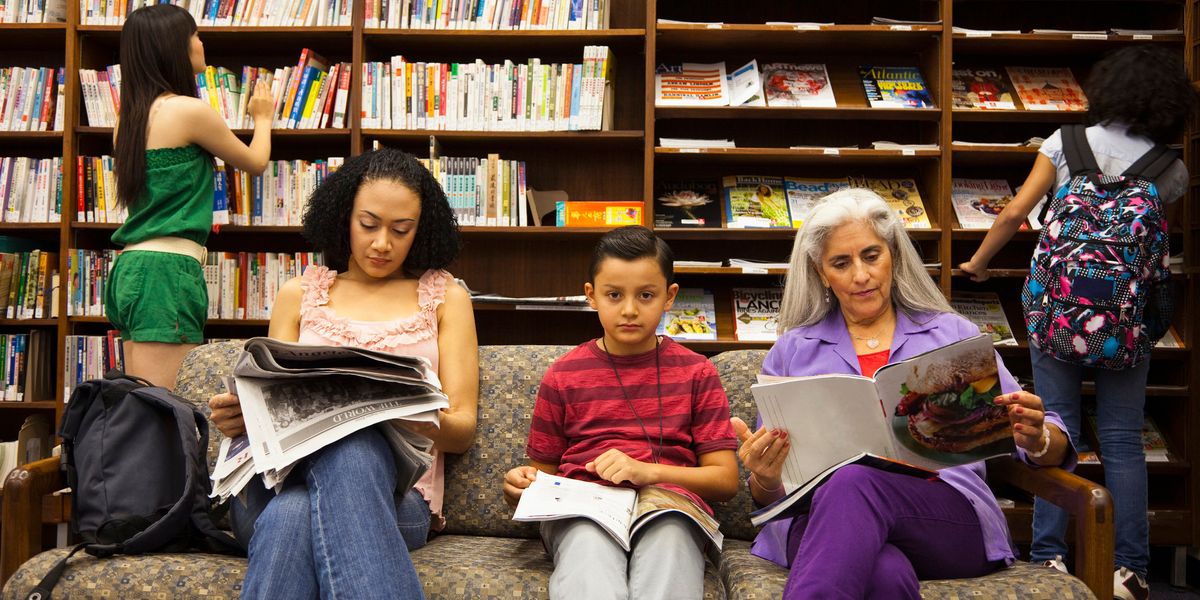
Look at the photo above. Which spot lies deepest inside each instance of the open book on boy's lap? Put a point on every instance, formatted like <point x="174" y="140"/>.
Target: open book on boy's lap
<point x="620" y="511"/>
<point x="930" y="411"/>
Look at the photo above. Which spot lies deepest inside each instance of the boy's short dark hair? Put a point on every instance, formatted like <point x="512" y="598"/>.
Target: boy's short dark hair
<point x="1145" y="88"/>
<point x="631" y="243"/>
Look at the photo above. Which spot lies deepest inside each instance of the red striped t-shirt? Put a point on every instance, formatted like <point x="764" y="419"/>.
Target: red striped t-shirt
<point x="581" y="412"/>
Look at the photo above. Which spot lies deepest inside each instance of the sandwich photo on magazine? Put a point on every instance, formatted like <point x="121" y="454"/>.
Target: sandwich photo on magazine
<point x="620" y="511"/>
<point x="928" y="412"/>
<point x="297" y="399"/>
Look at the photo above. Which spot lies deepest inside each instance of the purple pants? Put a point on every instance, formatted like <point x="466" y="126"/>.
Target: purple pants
<point x="874" y="534"/>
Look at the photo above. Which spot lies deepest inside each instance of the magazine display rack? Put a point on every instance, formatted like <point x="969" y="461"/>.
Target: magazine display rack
<point x="627" y="162"/>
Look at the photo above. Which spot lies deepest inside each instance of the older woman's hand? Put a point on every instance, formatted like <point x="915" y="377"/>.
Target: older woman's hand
<point x="1030" y="430"/>
<point x="763" y="452"/>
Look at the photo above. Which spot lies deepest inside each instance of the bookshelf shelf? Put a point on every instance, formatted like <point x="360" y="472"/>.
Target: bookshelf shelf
<point x="460" y="41"/>
<point x="724" y="345"/>
<point x="541" y="137"/>
<point x="1022" y="44"/>
<point x="788" y="38"/>
<point x="29" y="405"/>
<point x="992" y="155"/>
<point x="29" y="322"/>
<point x="1168" y="526"/>
<point x="979" y="234"/>
<point x="30" y="136"/>
<point x="788" y="235"/>
<point x="222" y="35"/>
<point x="858" y="113"/>
<point x="843" y="156"/>
<point x="1056" y="117"/>
<point x="40" y="227"/>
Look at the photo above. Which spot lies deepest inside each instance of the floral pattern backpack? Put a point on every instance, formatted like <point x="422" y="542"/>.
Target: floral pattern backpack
<point x="1098" y="292"/>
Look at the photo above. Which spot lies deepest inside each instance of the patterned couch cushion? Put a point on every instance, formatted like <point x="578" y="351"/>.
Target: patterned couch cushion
<point x="206" y="576"/>
<point x="747" y="577"/>
<point x="200" y="378"/>
<point x="738" y="370"/>
<point x="509" y="377"/>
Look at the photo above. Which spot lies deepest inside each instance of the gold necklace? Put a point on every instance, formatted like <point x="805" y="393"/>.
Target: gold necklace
<point x="872" y="341"/>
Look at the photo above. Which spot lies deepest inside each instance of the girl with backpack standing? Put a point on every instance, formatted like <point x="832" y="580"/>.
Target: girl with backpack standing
<point x="1139" y="97"/>
<point x="163" y="149"/>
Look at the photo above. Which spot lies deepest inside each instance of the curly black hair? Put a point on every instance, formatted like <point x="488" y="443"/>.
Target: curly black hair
<point x="327" y="219"/>
<point x="1145" y="88"/>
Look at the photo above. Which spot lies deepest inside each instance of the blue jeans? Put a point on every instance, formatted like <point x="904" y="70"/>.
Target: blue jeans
<point x="1120" y="400"/>
<point x="338" y="527"/>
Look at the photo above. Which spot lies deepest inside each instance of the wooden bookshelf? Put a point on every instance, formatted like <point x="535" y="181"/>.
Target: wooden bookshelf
<point x="625" y="163"/>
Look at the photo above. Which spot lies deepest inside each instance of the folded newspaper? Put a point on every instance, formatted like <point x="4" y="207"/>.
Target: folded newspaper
<point x="297" y="398"/>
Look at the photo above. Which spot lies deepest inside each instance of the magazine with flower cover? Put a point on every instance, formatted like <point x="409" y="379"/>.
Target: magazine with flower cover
<point x="789" y="84"/>
<point x="755" y="201"/>
<point x="687" y="203"/>
<point x="938" y="411"/>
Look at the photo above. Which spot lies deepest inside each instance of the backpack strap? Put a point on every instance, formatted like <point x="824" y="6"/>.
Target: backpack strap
<point x="1153" y="163"/>
<point x="1080" y="160"/>
<point x="44" y="587"/>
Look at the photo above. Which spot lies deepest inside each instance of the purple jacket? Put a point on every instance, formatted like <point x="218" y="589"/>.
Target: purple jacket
<point x="826" y="348"/>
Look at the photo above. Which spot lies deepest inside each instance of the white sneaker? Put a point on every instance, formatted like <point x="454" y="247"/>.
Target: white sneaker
<point x="1128" y="585"/>
<point x="1056" y="563"/>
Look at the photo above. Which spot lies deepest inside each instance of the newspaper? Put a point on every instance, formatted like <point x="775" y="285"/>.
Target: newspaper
<point x="296" y="399"/>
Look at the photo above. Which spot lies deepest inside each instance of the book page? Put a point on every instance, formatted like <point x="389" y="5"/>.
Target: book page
<point x="940" y="406"/>
<point x="653" y="502"/>
<point x="829" y="418"/>
<point x="551" y="497"/>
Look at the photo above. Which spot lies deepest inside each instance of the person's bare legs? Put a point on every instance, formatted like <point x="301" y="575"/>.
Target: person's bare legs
<point x="157" y="362"/>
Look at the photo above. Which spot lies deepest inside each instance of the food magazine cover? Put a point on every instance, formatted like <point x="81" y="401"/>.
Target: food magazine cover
<point x="981" y="89"/>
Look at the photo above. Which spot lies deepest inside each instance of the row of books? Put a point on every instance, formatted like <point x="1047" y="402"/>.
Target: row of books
<point x="243" y="285"/>
<point x="31" y="98"/>
<point x="693" y="316"/>
<point x="482" y="191"/>
<point x="87" y="272"/>
<point x="27" y="366"/>
<point x="1036" y="88"/>
<point x="317" y="100"/>
<point x="29" y="284"/>
<point x="476" y="96"/>
<point x="311" y="95"/>
<point x="90" y="357"/>
<point x="30" y="189"/>
<point x="771" y="201"/>
<point x="33" y="11"/>
<point x="488" y="14"/>
<point x="96" y="191"/>
<point x="278" y="197"/>
<point x="250" y="13"/>
<point x="783" y="84"/>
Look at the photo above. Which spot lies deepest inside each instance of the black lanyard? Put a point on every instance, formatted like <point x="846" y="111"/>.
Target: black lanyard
<point x="654" y="455"/>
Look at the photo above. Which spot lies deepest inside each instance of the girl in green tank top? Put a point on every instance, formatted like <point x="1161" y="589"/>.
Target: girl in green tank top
<point x="164" y="146"/>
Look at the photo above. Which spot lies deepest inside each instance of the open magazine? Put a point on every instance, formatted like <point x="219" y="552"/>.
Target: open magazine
<point x="620" y="511"/>
<point x="297" y="398"/>
<point x="931" y="411"/>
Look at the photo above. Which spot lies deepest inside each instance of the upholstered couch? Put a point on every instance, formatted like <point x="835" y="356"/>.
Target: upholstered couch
<point x="482" y="553"/>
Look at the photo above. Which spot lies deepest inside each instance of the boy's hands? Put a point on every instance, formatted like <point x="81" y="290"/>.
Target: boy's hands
<point x="617" y="467"/>
<point x="763" y="452"/>
<point x="515" y="482"/>
<point x="227" y="414"/>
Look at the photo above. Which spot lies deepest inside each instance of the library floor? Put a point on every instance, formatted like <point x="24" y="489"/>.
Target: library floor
<point x="1160" y="577"/>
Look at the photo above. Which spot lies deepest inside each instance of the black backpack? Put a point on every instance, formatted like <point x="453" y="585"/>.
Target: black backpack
<point x="135" y="457"/>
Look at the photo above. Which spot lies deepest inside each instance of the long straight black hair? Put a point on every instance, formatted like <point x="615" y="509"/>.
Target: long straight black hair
<point x="154" y="60"/>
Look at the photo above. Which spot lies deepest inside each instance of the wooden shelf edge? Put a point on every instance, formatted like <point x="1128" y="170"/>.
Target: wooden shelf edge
<point x="588" y="34"/>
<point x="29" y="405"/>
<point x="894" y="30"/>
<point x="795" y="112"/>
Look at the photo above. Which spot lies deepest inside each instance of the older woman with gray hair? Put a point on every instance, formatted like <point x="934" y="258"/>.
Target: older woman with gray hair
<point x="857" y="298"/>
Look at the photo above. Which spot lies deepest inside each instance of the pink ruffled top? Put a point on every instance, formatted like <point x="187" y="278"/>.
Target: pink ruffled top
<point x="414" y="335"/>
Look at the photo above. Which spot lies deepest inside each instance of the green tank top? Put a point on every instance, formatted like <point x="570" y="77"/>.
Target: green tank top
<point x="177" y="199"/>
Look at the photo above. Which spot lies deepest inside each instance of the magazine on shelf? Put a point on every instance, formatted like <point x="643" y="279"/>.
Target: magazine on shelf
<point x="977" y="202"/>
<point x="1047" y="88"/>
<point x="756" y="313"/>
<point x="895" y="87"/>
<point x="691" y="84"/>
<point x="695" y="143"/>
<point x="937" y="411"/>
<point x="620" y="511"/>
<point x="789" y="84"/>
<point x="978" y="88"/>
<point x="1170" y="339"/>
<point x="902" y="196"/>
<point x="755" y="201"/>
<point x="803" y="194"/>
<point x="298" y="398"/>
<point x="693" y="316"/>
<point x="746" y="86"/>
<point x="1153" y="443"/>
<point x="687" y="203"/>
<point x="986" y="312"/>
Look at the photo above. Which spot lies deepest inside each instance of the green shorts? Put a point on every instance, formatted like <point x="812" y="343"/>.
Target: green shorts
<point x="157" y="297"/>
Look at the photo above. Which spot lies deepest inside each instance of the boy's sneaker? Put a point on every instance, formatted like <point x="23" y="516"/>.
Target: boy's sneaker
<point x="1128" y="585"/>
<point x="1056" y="563"/>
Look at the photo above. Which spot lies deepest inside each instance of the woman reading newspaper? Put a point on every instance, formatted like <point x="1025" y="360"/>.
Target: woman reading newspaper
<point x="340" y="527"/>
<point x="857" y="298"/>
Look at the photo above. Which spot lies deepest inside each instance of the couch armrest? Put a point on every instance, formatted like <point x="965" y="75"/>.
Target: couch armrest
<point x="21" y="532"/>
<point x="1087" y="501"/>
